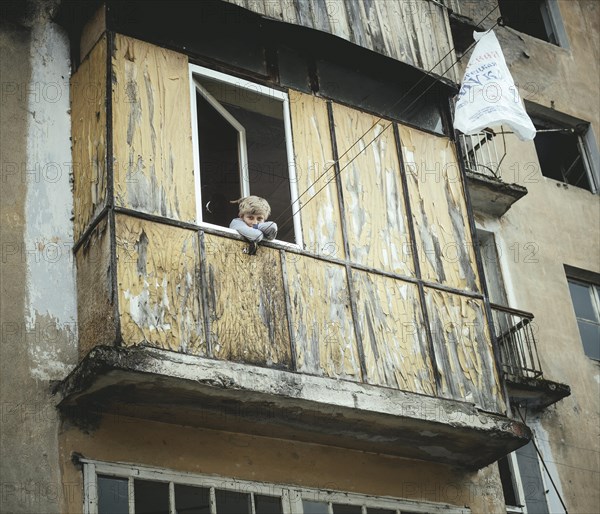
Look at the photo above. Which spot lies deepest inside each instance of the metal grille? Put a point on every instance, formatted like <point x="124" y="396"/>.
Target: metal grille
<point x="482" y="155"/>
<point x="515" y="333"/>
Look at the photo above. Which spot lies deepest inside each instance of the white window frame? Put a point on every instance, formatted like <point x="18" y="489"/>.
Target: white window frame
<point x="291" y="496"/>
<point x="594" y="300"/>
<point x="262" y="90"/>
<point x="518" y="486"/>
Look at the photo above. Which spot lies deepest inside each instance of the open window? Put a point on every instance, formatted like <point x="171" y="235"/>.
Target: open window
<point x="538" y="18"/>
<point x="567" y="153"/>
<point x="242" y="146"/>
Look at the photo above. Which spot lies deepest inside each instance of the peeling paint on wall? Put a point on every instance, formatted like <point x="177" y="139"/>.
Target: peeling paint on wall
<point x="444" y="243"/>
<point x="96" y="309"/>
<point x="152" y="131"/>
<point x="321" y="225"/>
<point x="393" y="333"/>
<point x="51" y="297"/>
<point x="463" y="350"/>
<point x="374" y="205"/>
<point x="158" y="267"/>
<point x="322" y="319"/>
<point x="88" y="117"/>
<point x="417" y="33"/>
<point x="247" y="304"/>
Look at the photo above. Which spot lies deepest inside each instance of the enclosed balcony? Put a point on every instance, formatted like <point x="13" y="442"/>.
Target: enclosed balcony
<point x="366" y="330"/>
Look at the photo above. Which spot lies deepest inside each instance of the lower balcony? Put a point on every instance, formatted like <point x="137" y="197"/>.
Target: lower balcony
<point x="178" y="324"/>
<point x="515" y="334"/>
<point x="165" y="386"/>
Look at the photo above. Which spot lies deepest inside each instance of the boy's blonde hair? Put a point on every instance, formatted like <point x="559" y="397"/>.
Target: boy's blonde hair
<point x="253" y="205"/>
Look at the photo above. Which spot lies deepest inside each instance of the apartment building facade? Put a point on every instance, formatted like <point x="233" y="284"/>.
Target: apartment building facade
<point x="358" y="363"/>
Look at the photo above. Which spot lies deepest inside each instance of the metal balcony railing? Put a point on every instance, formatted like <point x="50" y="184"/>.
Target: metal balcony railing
<point x="516" y="339"/>
<point x="481" y="152"/>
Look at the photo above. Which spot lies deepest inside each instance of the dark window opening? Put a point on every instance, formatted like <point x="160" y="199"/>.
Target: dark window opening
<point x="242" y="150"/>
<point x="531" y="17"/>
<point x="561" y="152"/>
<point x="508" y="484"/>
<point x="151" y="497"/>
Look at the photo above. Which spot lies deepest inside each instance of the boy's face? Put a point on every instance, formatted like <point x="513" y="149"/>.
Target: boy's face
<point x="252" y="219"/>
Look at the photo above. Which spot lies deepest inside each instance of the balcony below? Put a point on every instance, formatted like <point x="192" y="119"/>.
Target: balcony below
<point x="515" y="334"/>
<point x="482" y="156"/>
<point x="171" y="387"/>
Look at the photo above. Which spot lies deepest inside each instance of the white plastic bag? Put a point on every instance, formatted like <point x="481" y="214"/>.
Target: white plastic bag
<point x="488" y="96"/>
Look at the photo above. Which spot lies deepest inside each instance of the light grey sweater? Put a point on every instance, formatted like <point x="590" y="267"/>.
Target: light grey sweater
<point x="266" y="230"/>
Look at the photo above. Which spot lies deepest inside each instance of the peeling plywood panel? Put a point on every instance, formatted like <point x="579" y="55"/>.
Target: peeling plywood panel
<point x="158" y="267"/>
<point x="152" y="131"/>
<point x="322" y="318"/>
<point x="247" y="304"/>
<point x="393" y="333"/>
<point x="416" y="32"/>
<point x="88" y="127"/>
<point x="463" y="350"/>
<point x="321" y="225"/>
<point x="376" y="222"/>
<point x="439" y="210"/>
<point x="96" y="310"/>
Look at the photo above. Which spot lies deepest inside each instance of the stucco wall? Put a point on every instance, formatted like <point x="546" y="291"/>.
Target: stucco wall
<point x="262" y="459"/>
<point x="38" y="342"/>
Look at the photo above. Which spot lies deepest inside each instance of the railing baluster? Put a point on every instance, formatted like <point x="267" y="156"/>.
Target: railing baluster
<point x="518" y="347"/>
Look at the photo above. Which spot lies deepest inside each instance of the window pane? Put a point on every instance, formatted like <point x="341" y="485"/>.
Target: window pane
<point x="314" y="507"/>
<point x="112" y="495"/>
<point x="531" y="479"/>
<point x="590" y="337"/>
<point x="267" y="504"/>
<point x="340" y="508"/>
<point x="192" y="500"/>
<point x="508" y="486"/>
<point x="582" y="301"/>
<point x="380" y="511"/>
<point x="229" y="502"/>
<point x="219" y="164"/>
<point x="151" y="497"/>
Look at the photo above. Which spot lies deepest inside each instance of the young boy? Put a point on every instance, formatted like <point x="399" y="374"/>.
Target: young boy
<point x="251" y="223"/>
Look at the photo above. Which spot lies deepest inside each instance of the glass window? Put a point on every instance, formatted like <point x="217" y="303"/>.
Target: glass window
<point x="151" y="497"/>
<point x="586" y="303"/>
<point x="112" y="495"/>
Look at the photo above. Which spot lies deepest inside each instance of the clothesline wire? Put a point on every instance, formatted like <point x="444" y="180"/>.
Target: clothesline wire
<point x="337" y="161"/>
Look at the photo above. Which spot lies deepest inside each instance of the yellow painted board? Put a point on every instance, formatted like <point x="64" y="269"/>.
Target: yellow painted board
<point x="158" y="268"/>
<point x="152" y="130"/>
<point x="248" y="321"/>
<point x="96" y="311"/>
<point x="463" y="350"/>
<point x="393" y="333"/>
<point x="88" y="129"/>
<point x="322" y="318"/>
<point x="444" y="243"/>
<point x="374" y="209"/>
<point x="321" y="225"/>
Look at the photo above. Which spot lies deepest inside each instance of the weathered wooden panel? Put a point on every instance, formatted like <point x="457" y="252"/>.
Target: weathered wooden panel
<point x="322" y="318"/>
<point x="439" y="211"/>
<point x="463" y="350"/>
<point x="321" y="220"/>
<point x="88" y="128"/>
<point x="158" y="268"/>
<point x="393" y="333"/>
<point x="375" y="214"/>
<point x="152" y="131"/>
<point x="414" y="32"/>
<point x="96" y="309"/>
<point x="247" y="304"/>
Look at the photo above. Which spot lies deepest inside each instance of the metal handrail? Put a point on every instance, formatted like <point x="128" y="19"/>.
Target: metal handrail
<point x="514" y="331"/>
